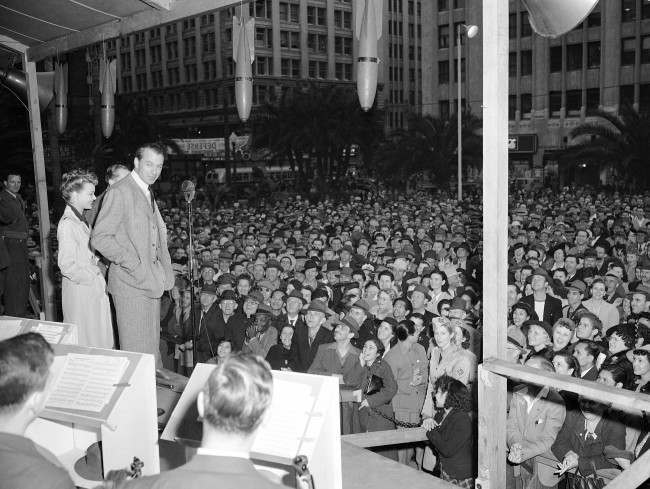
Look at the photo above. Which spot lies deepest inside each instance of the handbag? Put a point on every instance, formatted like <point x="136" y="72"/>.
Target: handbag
<point x="375" y="384"/>
<point x="585" y="481"/>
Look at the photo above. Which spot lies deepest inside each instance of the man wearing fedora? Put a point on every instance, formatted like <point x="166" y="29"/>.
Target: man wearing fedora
<point x="308" y="337"/>
<point x="206" y="327"/>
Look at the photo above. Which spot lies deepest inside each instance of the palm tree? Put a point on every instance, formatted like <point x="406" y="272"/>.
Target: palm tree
<point x="429" y="145"/>
<point x="622" y="140"/>
<point x="314" y="129"/>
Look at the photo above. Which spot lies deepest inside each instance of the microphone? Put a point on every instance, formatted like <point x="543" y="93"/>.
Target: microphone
<point x="189" y="189"/>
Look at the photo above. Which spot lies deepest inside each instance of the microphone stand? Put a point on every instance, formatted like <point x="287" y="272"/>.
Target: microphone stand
<point x="190" y="264"/>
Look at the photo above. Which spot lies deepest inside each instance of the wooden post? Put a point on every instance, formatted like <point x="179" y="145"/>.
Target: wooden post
<point x="492" y="388"/>
<point x="47" y="287"/>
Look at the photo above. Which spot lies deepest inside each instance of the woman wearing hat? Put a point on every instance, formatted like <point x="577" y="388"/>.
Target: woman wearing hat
<point x="408" y="361"/>
<point x="446" y="358"/>
<point x="538" y="335"/>
<point x="378" y="387"/>
<point x="521" y="312"/>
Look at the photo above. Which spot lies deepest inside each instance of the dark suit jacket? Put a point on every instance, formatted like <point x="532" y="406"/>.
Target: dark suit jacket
<point x="303" y="354"/>
<point x="552" y="308"/>
<point x="209" y="331"/>
<point x="208" y="472"/>
<point x="25" y="465"/>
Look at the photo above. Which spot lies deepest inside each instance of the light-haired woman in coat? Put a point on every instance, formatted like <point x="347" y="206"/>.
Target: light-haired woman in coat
<point x="84" y="299"/>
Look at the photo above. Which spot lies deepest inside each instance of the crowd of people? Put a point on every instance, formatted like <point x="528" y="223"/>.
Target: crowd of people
<point x="385" y="294"/>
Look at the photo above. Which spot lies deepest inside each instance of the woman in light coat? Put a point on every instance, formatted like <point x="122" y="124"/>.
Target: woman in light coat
<point x="84" y="298"/>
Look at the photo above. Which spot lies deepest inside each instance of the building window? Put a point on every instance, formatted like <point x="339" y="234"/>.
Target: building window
<point x="189" y="47"/>
<point x="593" y="54"/>
<point x="208" y="42"/>
<point x="644" y="99"/>
<point x="512" y="65"/>
<point x="526" y="62"/>
<point x="343" y="20"/>
<point x="645" y="9"/>
<point x="344" y="71"/>
<point x="444" y="109"/>
<point x="593" y="100"/>
<point x="261" y="8"/>
<point x="343" y="45"/>
<point x="443" y="36"/>
<point x="462" y="70"/>
<point x="443" y="72"/>
<point x="289" y="12"/>
<point x="526" y="105"/>
<point x="628" y="10"/>
<point x="459" y="4"/>
<point x="512" y="107"/>
<point x="317" y="42"/>
<point x="189" y="24"/>
<point x="555" y="103"/>
<point x="573" y="102"/>
<point x="556" y="59"/>
<point x="512" y="26"/>
<point x="645" y="49"/>
<point x="443" y="5"/>
<point x="316" y="16"/>
<point x="574" y="57"/>
<point x="190" y="73"/>
<point x="628" y="51"/>
<point x="526" y="29"/>
<point x="262" y="65"/>
<point x="626" y="94"/>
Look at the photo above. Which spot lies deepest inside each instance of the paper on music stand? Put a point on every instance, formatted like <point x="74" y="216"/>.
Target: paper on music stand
<point x="85" y="382"/>
<point x="10" y="328"/>
<point x="51" y="332"/>
<point x="283" y="430"/>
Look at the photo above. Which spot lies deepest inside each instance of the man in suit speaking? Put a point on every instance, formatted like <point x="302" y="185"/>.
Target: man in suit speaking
<point x="131" y="234"/>
<point x="232" y="404"/>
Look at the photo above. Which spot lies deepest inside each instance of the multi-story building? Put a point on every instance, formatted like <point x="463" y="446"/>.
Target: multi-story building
<point x="183" y="72"/>
<point x="554" y="83"/>
<point x="400" y="76"/>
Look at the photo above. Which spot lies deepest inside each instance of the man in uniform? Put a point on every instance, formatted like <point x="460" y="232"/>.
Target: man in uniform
<point x="14" y="280"/>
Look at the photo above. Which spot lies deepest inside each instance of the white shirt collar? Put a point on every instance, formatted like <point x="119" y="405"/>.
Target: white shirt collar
<point x="215" y="452"/>
<point x="143" y="186"/>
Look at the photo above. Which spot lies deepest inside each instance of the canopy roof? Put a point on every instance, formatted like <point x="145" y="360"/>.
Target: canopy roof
<point x="43" y="28"/>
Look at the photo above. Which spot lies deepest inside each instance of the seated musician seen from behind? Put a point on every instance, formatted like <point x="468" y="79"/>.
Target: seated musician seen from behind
<point x="232" y="404"/>
<point x="24" y="370"/>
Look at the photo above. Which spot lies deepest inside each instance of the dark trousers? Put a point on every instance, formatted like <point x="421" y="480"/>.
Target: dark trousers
<point x="15" y="278"/>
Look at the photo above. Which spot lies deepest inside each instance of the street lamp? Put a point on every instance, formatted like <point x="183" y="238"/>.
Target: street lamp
<point x="470" y="31"/>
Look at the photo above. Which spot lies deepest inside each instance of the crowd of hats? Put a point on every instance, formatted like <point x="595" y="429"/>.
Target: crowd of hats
<point x="296" y="235"/>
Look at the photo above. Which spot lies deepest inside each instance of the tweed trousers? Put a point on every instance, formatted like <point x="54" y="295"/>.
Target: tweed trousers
<point x="138" y="324"/>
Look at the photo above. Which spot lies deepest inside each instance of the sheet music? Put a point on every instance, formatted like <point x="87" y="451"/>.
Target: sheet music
<point x="85" y="382"/>
<point x="51" y="332"/>
<point x="10" y="328"/>
<point x="282" y="431"/>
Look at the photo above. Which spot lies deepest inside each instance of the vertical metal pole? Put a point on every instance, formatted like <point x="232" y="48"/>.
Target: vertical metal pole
<point x="47" y="287"/>
<point x="459" y="121"/>
<point x="492" y="388"/>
